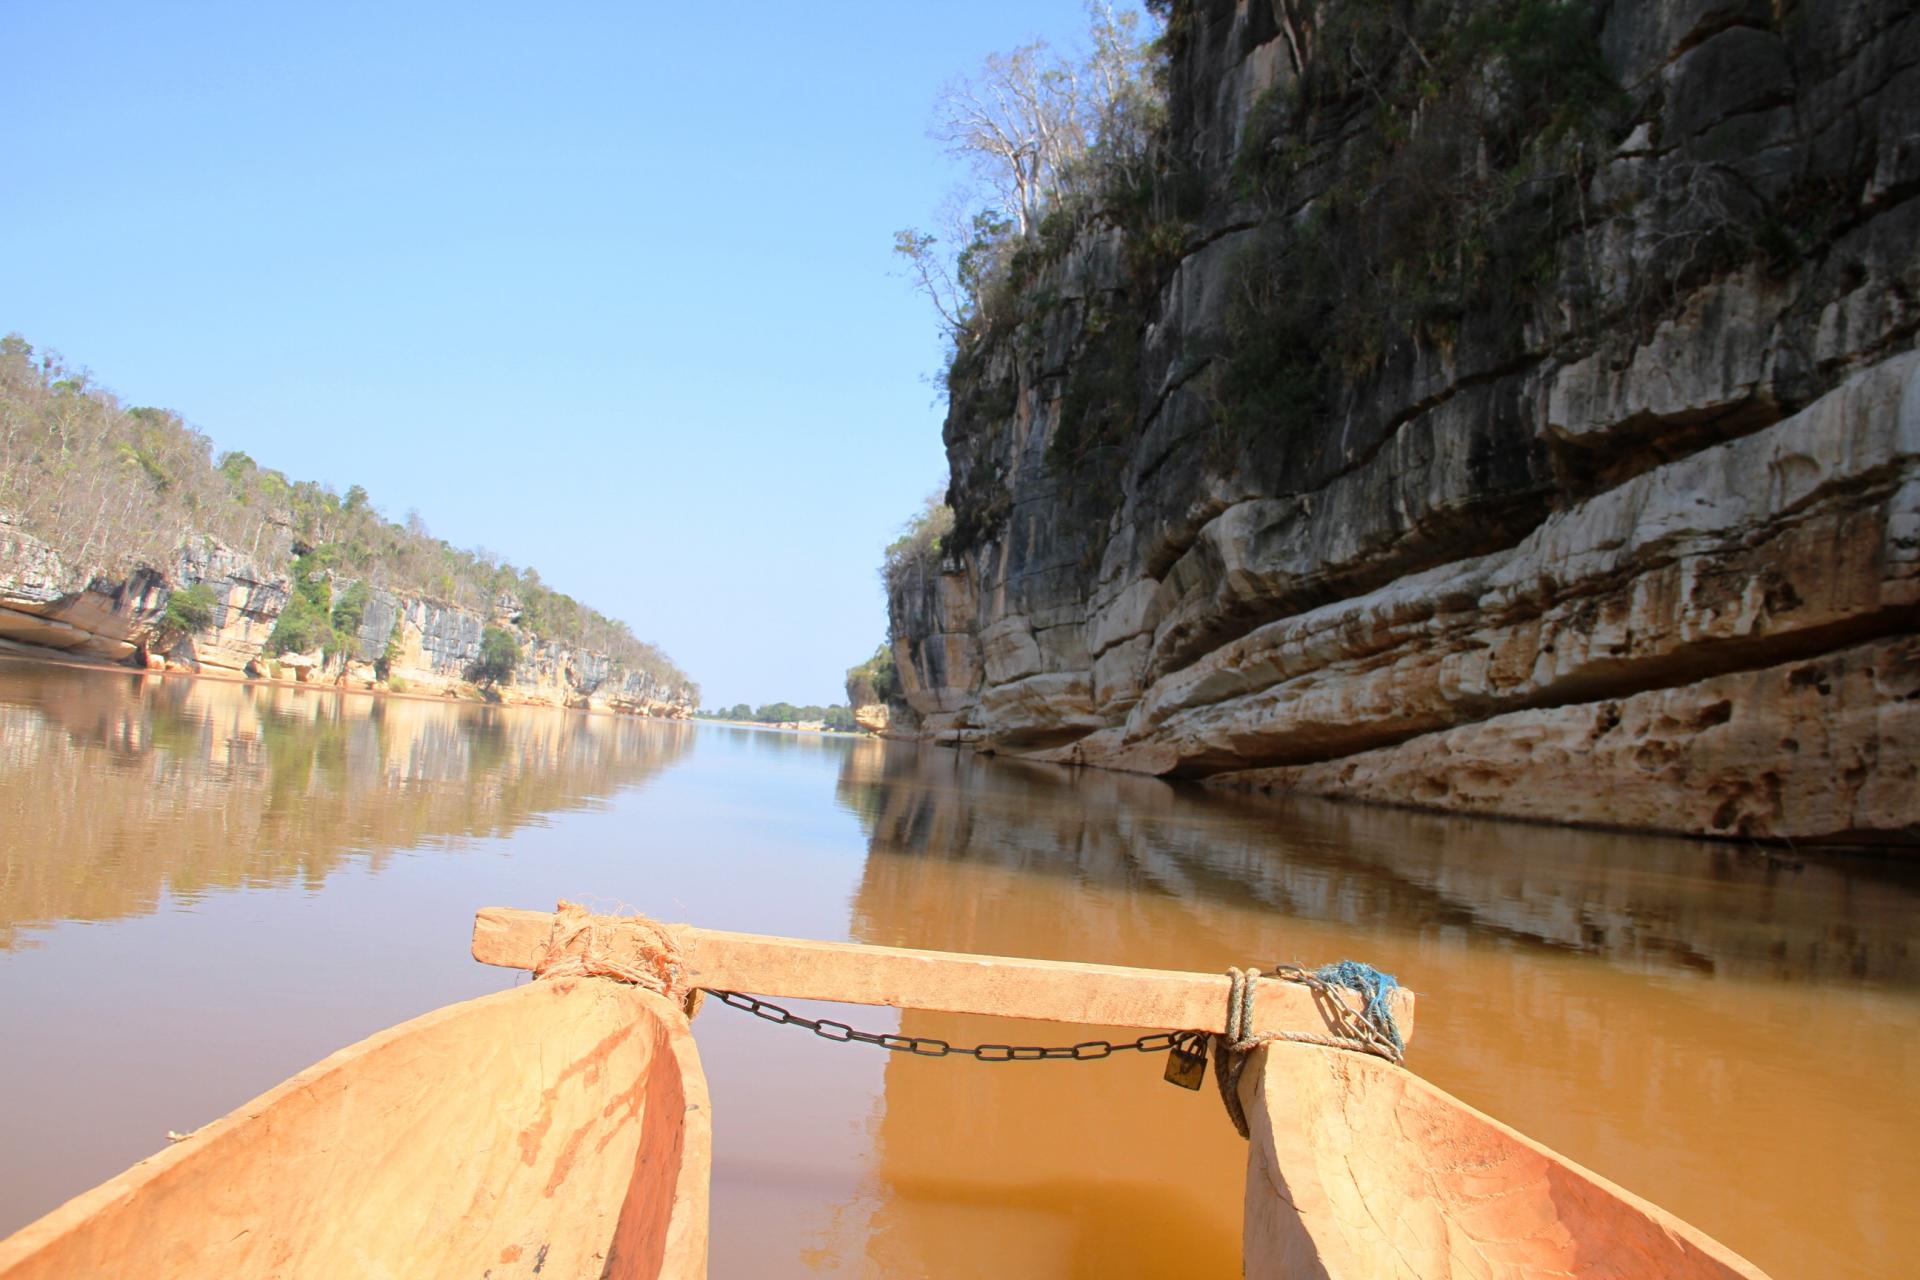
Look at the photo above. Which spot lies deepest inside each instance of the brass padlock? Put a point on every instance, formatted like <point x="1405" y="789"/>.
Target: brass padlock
<point x="1187" y="1061"/>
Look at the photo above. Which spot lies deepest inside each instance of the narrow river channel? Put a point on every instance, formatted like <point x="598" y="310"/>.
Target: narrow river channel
<point x="205" y="887"/>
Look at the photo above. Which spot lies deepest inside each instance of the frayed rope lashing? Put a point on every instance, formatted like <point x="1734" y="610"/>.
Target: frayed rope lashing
<point x="630" y="949"/>
<point x="1370" y="1029"/>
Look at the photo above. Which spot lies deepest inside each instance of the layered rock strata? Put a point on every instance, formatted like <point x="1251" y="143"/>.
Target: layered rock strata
<point x="1649" y="558"/>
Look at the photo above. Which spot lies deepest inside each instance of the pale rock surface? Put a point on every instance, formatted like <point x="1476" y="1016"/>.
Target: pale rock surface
<point x="1788" y="537"/>
<point x="1824" y="749"/>
<point x="433" y="643"/>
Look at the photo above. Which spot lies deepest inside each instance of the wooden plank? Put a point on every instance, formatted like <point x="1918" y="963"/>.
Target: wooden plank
<point x="1011" y="986"/>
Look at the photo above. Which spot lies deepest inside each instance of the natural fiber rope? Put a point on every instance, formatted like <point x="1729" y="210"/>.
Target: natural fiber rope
<point x="1369" y="1031"/>
<point x="582" y="945"/>
<point x="1230" y="1050"/>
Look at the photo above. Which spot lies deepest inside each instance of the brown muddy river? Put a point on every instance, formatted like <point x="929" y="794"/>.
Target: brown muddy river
<point x="205" y="887"/>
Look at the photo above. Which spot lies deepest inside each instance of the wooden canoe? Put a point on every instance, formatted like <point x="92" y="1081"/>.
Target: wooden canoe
<point x="427" y="1151"/>
<point x="1360" y="1170"/>
<point x="1356" y="1169"/>
<point x="559" y="1128"/>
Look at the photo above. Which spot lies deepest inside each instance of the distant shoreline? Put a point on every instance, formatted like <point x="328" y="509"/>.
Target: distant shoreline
<point x="775" y="728"/>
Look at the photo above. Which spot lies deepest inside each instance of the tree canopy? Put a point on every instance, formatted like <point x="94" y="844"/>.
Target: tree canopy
<point x="917" y="549"/>
<point x="499" y="655"/>
<point x="189" y="610"/>
<point x="874" y="680"/>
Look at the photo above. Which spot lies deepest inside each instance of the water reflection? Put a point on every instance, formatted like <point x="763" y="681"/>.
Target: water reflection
<point x="1723" y="1033"/>
<point x="119" y="789"/>
<point x="1643" y="901"/>
<point x="1728" y="1035"/>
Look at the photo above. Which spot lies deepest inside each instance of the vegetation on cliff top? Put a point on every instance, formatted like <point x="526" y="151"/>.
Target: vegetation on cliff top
<point x="111" y="489"/>
<point x="875" y="680"/>
<point x="916" y="552"/>
<point x="1417" y="169"/>
<point x="1052" y="139"/>
<point x="1060" y="145"/>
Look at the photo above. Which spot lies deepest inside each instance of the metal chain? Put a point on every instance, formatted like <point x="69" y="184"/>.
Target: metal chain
<point x="928" y="1047"/>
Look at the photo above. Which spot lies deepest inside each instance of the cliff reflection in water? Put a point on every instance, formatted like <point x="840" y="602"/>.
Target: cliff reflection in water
<point x="119" y="789"/>
<point x="1645" y="901"/>
<point x="1632" y="1002"/>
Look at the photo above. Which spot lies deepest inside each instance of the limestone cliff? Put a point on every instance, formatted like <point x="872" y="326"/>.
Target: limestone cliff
<point x="430" y="643"/>
<point x="1512" y="408"/>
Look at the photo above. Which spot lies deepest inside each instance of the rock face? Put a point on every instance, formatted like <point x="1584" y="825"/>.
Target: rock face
<point x="1637" y="545"/>
<point x="434" y="643"/>
<point x="119" y="620"/>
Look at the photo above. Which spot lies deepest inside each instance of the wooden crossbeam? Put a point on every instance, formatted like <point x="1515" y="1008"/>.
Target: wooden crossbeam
<point x="949" y="982"/>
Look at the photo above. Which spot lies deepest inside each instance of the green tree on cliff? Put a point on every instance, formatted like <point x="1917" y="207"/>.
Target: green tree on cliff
<point x="873" y="680"/>
<point x="499" y="655"/>
<point x="189" y="610"/>
<point x="305" y="621"/>
<point x="917" y="549"/>
<point x="349" y="610"/>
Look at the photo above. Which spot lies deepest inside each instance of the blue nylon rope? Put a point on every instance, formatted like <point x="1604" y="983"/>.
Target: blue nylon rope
<point x="1373" y="986"/>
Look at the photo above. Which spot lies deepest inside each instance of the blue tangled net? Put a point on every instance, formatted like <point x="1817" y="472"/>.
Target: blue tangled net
<point x="1374" y="987"/>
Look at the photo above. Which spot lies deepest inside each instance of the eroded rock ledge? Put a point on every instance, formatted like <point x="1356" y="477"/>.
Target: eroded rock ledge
<point x="1654" y="565"/>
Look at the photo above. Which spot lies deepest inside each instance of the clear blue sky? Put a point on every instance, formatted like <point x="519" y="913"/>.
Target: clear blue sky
<point x="606" y="288"/>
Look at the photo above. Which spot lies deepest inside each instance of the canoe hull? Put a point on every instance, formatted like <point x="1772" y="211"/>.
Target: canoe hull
<point x="1359" y="1170"/>
<point x="559" y="1128"/>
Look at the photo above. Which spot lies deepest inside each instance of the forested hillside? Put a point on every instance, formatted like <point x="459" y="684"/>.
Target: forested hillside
<point x="110" y="489"/>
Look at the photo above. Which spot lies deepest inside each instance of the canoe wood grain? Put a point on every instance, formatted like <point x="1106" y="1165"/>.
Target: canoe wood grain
<point x="1009" y="986"/>
<point x="463" y="1128"/>
<point x="1359" y="1171"/>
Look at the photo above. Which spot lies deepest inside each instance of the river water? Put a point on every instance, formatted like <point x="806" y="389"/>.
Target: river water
<point x="205" y="887"/>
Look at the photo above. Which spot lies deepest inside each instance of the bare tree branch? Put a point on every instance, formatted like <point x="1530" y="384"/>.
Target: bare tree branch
<point x="1039" y="129"/>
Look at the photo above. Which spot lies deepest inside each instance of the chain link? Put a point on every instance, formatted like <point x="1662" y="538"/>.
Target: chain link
<point x="928" y="1047"/>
